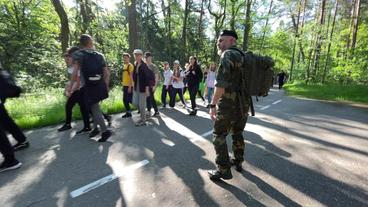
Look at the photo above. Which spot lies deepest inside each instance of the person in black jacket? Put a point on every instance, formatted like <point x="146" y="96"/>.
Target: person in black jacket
<point x="7" y="124"/>
<point x="94" y="77"/>
<point x="194" y="76"/>
<point x="142" y="81"/>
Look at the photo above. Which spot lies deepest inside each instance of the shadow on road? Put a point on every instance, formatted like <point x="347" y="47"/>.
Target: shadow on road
<point x="57" y="165"/>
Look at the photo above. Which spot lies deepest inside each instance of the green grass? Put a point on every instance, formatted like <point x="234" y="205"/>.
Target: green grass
<point x="47" y="107"/>
<point x="349" y="93"/>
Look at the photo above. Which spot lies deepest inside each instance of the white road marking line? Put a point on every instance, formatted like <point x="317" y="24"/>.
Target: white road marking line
<point x="265" y="107"/>
<point x="167" y="142"/>
<point x="207" y="133"/>
<point x="106" y="179"/>
<point x="276" y="102"/>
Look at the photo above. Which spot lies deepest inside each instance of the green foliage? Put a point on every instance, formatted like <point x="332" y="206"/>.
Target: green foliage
<point x="28" y="42"/>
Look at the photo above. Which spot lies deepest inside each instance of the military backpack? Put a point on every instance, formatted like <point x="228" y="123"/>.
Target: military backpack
<point x="257" y="74"/>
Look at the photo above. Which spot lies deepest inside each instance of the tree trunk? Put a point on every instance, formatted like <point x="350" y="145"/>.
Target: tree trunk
<point x="319" y="40"/>
<point x="329" y="43"/>
<point x="200" y="28"/>
<point x="233" y="14"/>
<point x="311" y="50"/>
<point x="219" y="22"/>
<point x="301" y="49"/>
<point x="348" y="40"/>
<point x="184" y="31"/>
<point x="355" y="25"/>
<point x="247" y="25"/>
<point x="265" y="27"/>
<point x="296" y="40"/>
<point x="85" y="11"/>
<point x="133" y="29"/>
<point x="64" y="25"/>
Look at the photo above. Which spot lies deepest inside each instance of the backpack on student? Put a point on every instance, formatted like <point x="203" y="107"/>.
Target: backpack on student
<point x="92" y="65"/>
<point x="8" y="86"/>
<point x="257" y="73"/>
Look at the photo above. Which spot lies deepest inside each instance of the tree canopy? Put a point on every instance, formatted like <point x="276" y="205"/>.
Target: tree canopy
<point x="312" y="40"/>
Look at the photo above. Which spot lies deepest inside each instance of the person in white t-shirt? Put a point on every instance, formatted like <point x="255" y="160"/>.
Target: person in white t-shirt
<point x="167" y="86"/>
<point x="177" y="84"/>
<point x="210" y="82"/>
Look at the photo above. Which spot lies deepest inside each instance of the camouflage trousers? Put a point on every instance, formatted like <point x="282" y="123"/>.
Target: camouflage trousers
<point x="232" y="123"/>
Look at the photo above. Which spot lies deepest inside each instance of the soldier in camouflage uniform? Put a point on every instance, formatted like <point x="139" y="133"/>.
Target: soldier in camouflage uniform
<point x="232" y="107"/>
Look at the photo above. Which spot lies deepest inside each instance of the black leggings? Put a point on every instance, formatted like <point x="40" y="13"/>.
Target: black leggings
<point x="151" y="102"/>
<point x="193" y="90"/>
<point x="8" y="125"/>
<point x="174" y="92"/>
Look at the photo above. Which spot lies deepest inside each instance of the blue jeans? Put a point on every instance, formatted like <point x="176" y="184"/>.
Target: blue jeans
<point x="210" y="94"/>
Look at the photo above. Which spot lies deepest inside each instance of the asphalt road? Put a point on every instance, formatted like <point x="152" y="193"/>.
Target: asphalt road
<point x="298" y="152"/>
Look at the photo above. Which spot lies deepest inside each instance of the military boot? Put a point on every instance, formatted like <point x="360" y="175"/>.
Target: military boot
<point x="237" y="164"/>
<point x="220" y="174"/>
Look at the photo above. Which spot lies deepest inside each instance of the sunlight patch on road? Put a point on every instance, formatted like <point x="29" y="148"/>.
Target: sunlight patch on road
<point x="183" y="130"/>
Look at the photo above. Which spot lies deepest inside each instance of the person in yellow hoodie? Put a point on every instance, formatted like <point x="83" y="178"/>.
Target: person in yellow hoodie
<point x="127" y="82"/>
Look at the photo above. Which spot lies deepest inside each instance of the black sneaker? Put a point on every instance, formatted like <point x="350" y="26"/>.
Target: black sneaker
<point x="105" y="135"/>
<point x="108" y="119"/>
<point x="64" y="127"/>
<point x="217" y="174"/>
<point x="238" y="165"/>
<point x="21" y="145"/>
<point x="83" y="131"/>
<point x="193" y="113"/>
<point x="10" y="165"/>
<point x="126" y="115"/>
<point x="156" y="114"/>
<point x="94" y="132"/>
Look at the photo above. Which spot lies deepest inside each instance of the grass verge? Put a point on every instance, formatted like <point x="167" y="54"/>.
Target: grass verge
<point x="47" y="107"/>
<point x="343" y="93"/>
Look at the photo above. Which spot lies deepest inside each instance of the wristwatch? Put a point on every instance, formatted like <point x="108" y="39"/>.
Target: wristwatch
<point x="212" y="106"/>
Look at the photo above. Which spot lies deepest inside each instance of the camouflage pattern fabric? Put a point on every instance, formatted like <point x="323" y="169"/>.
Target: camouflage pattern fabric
<point x="229" y="117"/>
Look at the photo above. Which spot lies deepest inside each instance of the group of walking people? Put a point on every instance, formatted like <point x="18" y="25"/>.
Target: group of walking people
<point x="89" y="84"/>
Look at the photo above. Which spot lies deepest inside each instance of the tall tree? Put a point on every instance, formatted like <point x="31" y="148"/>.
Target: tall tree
<point x="355" y="24"/>
<point x="87" y="15"/>
<point x="247" y="24"/>
<point x="296" y="39"/>
<point x="133" y="27"/>
<point x="265" y="27"/>
<point x="301" y="49"/>
<point x="319" y="39"/>
<point x="234" y="13"/>
<point x="64" y="24"/>
<point x="185" y="24"/>
<point x="219" y="22"/>
<point x="329" y="43"/>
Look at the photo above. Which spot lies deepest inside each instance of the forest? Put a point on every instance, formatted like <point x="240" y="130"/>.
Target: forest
<point x="314" y="41"/>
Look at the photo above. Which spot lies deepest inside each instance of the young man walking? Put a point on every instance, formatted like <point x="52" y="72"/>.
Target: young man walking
<point x="127" y="81"/>
<point x="151" y="102"/>
<point x="95" y="80"/>
<point x="141" y="85"/>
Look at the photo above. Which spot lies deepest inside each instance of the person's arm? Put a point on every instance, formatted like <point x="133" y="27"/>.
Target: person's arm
<point x="106" y="75"/>
<point x="130" y="83"/>
<point x="216" y="97"/>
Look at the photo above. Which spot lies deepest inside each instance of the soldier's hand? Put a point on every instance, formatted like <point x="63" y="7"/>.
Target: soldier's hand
<point x="213" y="113"/>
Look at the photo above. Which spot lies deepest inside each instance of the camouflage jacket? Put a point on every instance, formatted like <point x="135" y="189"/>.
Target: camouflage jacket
<point x="229" y="77"/>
